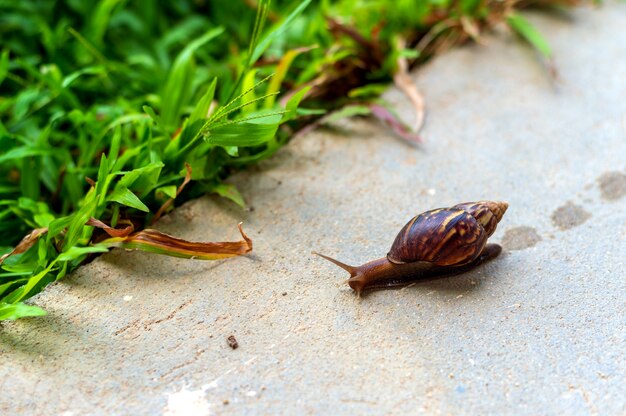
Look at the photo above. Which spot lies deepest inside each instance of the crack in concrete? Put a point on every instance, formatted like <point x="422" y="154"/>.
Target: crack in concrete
<point x="147" y="326"/>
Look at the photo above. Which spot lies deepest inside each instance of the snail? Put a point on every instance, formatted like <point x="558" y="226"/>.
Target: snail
<point x="438" y="243"/>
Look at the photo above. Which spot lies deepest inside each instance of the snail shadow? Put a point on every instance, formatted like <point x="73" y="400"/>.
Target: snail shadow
<point x="454" y="285"/>
<point x="471" y="281"/>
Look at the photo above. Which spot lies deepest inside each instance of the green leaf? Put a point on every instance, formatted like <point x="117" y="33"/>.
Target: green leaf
<point x="231" y="192"/>
<point x="79" y="218"/>
<point x="29" y="183"/>
<point x="26" y="290"/>
<point x="311" y="111"/>
<point x="23" y="152"/>
<point x="103" y="172"/>
<point x="157" y="120"/>
<point x="527" y="31"/>
<point x="4" y="65"/>
<point x="125" y="196"/>
<point x="278" y="31"/>
<point x="231" y="150"/>
<point x="90" y="70"/>
<point x="248" y="99"/>
<point x="293" y="103"/>
<point x="370" y="90"/>
<point x="144" y="179"/>
<point x="8" y="189"/>
<point x="6" y="286"/>
<point x="348" y="111"/>
<point x="262" y="11"/>
<point x="169" y="190"/>
<point x="281" y="73"/>
<point x="116" y="141"/>
<point x="231" y="106"/>
<point x="178" y="85"/>
<point x="19" y="310"/>
<point x="242" y="134"/>
<point x="57" y="226"/>
<point x="409" y="53"/>
<point x="202" y="108"/>
<point x="76" y="252"/>
<point x="43" y="220"/>
<point x="100" y="20"/>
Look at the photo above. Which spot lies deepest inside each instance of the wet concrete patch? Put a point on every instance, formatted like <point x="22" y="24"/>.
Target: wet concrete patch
<point x="569" y="216"/>
<point x="612" y="185"/>
<point x="520" y="238"/>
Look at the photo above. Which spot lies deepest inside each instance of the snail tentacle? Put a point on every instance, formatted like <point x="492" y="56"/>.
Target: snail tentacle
<point x="350" y="269"/>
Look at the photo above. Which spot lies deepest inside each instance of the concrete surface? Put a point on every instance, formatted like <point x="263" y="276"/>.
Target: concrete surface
<point x="539" y="331"/>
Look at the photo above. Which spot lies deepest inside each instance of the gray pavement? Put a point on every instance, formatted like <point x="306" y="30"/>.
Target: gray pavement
<point x="539" y="331"/>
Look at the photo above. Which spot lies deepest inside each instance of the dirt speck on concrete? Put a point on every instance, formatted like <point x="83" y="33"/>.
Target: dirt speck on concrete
<point x="520" y="238"/>
<point x="612" y="185"/>
<point x="232" y="342"/>
<point x="569" y="216"/>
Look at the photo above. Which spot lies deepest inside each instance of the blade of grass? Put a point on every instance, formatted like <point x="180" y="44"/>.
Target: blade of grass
<point x="126" y="197"/>
<point x="277" y="31"/>
<point x="231" y="192"/>
<point x="248" y="100"/>
<point x="170" y="201"/>
<point x="178" y="85"/>
<point x="529" y="33"/>
<point x="201" y="111"/>
<point x="11" y="312"/>
<point x="281" y="72"/>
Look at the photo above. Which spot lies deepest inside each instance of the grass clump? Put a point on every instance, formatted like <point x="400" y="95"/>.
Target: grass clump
<point x="110" y="110"/>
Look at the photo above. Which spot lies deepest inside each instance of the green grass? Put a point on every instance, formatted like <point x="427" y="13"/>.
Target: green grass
<point x="104" y="104"/>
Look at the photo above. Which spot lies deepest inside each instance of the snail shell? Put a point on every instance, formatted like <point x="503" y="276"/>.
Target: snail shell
<point x="447" y="236"/>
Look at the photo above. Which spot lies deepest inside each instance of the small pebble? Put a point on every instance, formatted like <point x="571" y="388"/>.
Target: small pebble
<point x="232" y="342"/>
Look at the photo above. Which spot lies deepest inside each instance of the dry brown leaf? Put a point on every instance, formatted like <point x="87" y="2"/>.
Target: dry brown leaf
<point x="113" y="232"/>
<point x="403" y="80"/>
<point x="472" y="29"/>
<point x="154" y="241"/>
<point x="391" y="120"/>
<point x="26" y="243"/>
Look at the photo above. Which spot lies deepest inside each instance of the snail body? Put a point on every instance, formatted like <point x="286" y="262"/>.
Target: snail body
<point x="438" y="243"/>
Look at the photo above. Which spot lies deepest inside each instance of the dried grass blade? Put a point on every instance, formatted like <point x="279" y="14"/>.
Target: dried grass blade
<point x="471" y="28"/>
<point x="26" y="243"/>
<point x="113" y="232"/>
<point x="391" y="120"/>
<point x="403" y="80"/>
<point x="154" y="241"/>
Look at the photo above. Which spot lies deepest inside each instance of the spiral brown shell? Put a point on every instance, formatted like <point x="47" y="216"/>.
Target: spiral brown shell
<point x="448" y="236"/>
